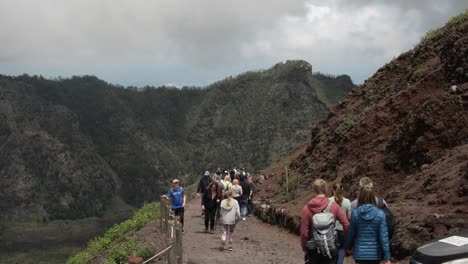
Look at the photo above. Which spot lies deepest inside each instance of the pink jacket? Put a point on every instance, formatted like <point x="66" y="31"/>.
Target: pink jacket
<point x="317" y="205"/>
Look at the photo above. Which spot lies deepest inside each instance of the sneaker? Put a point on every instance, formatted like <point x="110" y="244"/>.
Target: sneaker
<point x="243" y="219"/>
<point x="230" y="248"/>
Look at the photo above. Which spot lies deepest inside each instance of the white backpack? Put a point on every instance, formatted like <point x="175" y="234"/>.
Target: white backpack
<point x="323" y="235"/>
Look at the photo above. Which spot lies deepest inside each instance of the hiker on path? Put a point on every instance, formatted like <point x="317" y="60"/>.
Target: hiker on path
<point x="230" y="213"/>
<point x="222" y="192"/>
<point x="244" y="198"/>
<point x="177" y="195"/>
<point x="368" y="235"/>
<point x="227" y="185"/>
<point x="251" y="191"/>
<point x="345" y="205"/>
<point x="322" y="213"/>
<point x="366" y="182"/>
<point x="203" y="185"/>
<point x="211" y="199"/>
<point x="236" y="190"/>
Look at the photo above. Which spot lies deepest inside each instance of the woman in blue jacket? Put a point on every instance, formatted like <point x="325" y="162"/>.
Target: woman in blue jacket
<point x="367" y="233"/>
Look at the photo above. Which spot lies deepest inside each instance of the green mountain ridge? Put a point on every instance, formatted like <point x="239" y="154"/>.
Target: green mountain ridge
<point x="68" y="146"/>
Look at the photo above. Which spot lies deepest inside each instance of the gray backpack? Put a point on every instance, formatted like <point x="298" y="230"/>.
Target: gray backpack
<point x="323" y="234"/>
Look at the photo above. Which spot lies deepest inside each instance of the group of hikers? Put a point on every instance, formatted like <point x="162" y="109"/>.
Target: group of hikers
<point x="334" y="227"/>
<point x="226" y="197"/>
<point x="331" y="227"/>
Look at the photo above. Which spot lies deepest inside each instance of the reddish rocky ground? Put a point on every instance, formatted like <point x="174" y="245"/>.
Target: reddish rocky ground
<point x="407" y="129"/>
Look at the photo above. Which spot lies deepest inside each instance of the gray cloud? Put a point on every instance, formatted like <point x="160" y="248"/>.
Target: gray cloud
<point x="154" y="42"/>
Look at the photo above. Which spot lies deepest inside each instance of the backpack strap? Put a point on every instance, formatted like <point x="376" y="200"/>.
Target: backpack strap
<point x="328" y="206"/>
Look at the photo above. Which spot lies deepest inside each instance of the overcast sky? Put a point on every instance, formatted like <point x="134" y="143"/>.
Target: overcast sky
<point x="196" y="42"/>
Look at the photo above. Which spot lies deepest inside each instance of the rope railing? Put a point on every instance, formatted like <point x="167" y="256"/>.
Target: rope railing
<point x="157" y="255"/>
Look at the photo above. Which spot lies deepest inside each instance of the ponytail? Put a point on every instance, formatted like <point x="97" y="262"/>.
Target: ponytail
<point x="338" y="193"/>
<point x="229" y="198"/>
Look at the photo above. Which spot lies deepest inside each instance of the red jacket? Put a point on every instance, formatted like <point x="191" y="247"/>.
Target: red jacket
<point x="317" y="205"/>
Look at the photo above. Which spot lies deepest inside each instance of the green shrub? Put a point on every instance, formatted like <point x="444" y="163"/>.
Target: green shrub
<point x="145" y="253"/>
<point x="291" y="183"/>
<point x="145" y="214"/>
<point x="346" y="125"/>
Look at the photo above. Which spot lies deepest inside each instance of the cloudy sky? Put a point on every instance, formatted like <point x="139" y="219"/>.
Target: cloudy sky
<point x="196" y="42"/>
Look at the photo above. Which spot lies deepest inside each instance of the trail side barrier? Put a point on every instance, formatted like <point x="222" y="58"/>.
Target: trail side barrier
<point x="171" y="227"/>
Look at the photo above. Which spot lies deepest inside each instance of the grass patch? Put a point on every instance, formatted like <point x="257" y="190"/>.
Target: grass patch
<point x="459" y="21"/>
<point x="145" y="214"/>
<point x="418" y="73"/>
<point x="346" y="125"/>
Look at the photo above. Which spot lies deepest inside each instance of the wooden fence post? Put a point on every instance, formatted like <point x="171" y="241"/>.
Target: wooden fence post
<point x="172" y="254"/>
<point x="178" y="244"/>
<point x="161" y="212"/>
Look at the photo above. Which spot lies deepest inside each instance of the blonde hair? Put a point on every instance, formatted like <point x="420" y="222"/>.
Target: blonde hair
<point x="229" y="198"/>
<point x="235" y="182"/>
<point x="227" y="178"/>
<point x="320" y="186"/>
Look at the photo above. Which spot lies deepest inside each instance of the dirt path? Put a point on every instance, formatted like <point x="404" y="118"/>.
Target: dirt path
<point x="265" y="243"/>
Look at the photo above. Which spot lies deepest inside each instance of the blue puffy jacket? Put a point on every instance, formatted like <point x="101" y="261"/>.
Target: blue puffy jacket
<point x="367" y="234"/>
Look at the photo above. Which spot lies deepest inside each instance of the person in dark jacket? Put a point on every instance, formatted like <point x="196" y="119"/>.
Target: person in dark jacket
<point x="211" y="199"/>
<point x="244" y="199"/>
<point x="368" y="235"/>
<point x="203" y="185"/>
<point x="317" y="205"/>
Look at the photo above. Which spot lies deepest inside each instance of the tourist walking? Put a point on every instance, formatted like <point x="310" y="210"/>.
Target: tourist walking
<point x="318" y="226"/>
<point x="251" y="192"/>
<point x="227" y="185"/>
<point x="345" y="205"/>
<point x="366" y="182"/>
<point x="211" y="199"/>
<point x="203" y="185"/>
<point x="236" y="190"/>
<point x="230" y="213"/>
<point x="244" y="198"/>
<point x="177" y="196"/>
<point x="368" y="236"/>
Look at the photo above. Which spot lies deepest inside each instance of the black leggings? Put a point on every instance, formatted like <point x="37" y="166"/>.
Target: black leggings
<point x="180" y="213"/>
<point x="210" y="214"/>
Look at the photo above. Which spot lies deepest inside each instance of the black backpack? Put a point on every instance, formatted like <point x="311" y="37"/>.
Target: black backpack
<point x="388" y="216"/>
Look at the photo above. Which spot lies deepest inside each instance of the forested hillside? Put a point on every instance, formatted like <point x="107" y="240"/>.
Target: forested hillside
<point x="67" y="146"/>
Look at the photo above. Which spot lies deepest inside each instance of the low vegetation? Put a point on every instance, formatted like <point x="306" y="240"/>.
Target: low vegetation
<point x="115" y="241"/>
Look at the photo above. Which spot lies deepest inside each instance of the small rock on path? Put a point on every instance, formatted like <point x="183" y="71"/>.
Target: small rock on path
<point x="265" y="243"/>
